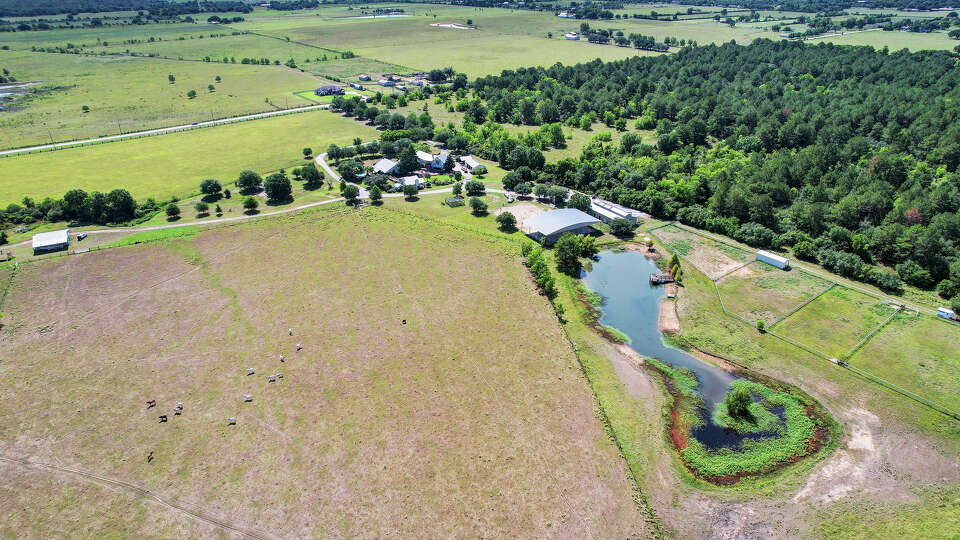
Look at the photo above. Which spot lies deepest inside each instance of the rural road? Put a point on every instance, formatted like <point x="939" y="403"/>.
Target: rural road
<point x="160" y="131"/>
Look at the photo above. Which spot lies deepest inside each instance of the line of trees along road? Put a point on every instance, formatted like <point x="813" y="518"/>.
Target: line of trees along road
<point x="848" y="154"/>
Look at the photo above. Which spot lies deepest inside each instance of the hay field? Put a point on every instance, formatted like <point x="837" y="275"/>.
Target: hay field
<point x="761" y="291"/>
<point x="472" y="419"/>
<point x="895" y="40"/>
<point x="174" y="164"/>
<point x="711" y="257"/>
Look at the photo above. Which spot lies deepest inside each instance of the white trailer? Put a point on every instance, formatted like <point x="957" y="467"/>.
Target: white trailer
<point x="773" y="259"/>
<point x="946" y="313"/>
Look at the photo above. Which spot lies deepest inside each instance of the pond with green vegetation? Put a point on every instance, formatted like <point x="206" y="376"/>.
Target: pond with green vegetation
<point x="773" y="425"/>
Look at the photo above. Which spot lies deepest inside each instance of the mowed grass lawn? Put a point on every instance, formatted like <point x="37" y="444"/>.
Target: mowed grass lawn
<point x="417" y="407"/>
<point x="919" y="354"/>
<point x="130" y="94"/>
<point x="761" y="291"/>
<point x="174" y="164"/>
<point x="835" y="321"/>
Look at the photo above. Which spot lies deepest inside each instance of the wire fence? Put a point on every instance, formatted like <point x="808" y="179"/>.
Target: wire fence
<point x="816" y="352"/>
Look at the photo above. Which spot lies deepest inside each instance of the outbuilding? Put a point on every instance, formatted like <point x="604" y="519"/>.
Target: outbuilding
<point x="51" y="241"/>
<point x="385" y="166"/>
<point x="470" y="161"/>
<point x="946" y="313"/>
<point x="411" y="180"/>
<point x="607" y="211"/>
<point x="773" y="259"/>
<point x="549" y="226"/>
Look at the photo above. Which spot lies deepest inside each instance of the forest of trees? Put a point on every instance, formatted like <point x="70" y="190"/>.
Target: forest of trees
<point x="164" y="8"/>
<point x="847" y="154"/>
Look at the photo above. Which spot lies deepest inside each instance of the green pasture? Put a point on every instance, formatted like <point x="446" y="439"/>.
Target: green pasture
<point x="835" y="321"/>
<point x="241" y="46"/>
<point x="130" y="94"/>
<point x="174" y="164"/>
<point x="917" y="353"/>
<point x="895" y="40"/>
<point x="761" y="291"/>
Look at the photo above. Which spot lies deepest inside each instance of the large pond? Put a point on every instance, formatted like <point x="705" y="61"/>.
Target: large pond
<point x="632" y="306"/>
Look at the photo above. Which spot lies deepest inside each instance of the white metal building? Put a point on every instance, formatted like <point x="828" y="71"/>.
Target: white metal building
<point x="607" y="211"/>
<point x="549" y="226"/>
<point x="773" y="259"/>
<point x="51" y="241"/>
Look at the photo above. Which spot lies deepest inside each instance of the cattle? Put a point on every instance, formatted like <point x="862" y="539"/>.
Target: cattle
<point x="271" y="378"/>
<point x="231" y="421"/>
<point x="163" y="418"/>
<point x="247" y="397"/>
<point x="299" y="346"/>
<point x="281" y="358"/>
<point x="250" y="371"/>
<point x="151" y="403"/>
<point x="279" y="375"/>
<point x="150" y="456"/>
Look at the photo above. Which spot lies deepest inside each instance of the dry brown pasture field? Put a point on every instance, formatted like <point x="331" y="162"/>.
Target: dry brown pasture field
<point x="472" y="418"/>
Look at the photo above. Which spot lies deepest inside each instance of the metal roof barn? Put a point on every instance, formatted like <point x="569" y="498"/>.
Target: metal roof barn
<point x="51" y="241"/>
<point x="550" y="225"/>
<point x="773" y="259"/>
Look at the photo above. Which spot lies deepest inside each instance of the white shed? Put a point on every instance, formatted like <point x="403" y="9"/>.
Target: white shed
<point x="51" y="241"/>
<point x="946" y="313"/>
<point x="773" y="259"/>
<point x="385" y="166"/>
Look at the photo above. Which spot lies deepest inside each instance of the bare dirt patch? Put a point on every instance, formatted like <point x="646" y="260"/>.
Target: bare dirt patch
<point x="521" y="210"/>
<point x="668" y="321"/>
<point x="452" y="25"/>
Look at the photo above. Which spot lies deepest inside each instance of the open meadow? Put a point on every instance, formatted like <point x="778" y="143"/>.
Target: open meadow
<point x="455" y="403"/>
<point x="174" y="164"/>
<point x="131" y="94"/>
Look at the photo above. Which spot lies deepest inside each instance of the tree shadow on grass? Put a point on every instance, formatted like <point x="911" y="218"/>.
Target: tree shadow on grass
<point x="279" y="202"/>
<point x="172" y="219"/>
<point x="251" y="212"/>
<point x="202" y="215"/>
<point x="412" y="199"/>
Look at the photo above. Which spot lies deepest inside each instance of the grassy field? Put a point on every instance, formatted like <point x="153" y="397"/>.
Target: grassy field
<point x="130" y="94"/>
<point x="761" y="291"/>
<point x="835" y="321"/>
<point x="917" y="353"/>
<point x="711" y="257"/>
<point x="174" y="164"/>
<point x="895" y="40"/>
<point x="455" y="402"/>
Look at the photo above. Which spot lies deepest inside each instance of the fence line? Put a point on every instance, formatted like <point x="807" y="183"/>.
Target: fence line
<point x="801" y="305"/>
<point x="817" y="353"/>
<point x="867" y="337"/>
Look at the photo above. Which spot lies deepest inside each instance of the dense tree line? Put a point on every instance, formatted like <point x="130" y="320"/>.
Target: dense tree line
<point x="815" y="6"/>
<point x="117" y="206"/>
<point x="848" y="154"/>
<point x="290" y="5"/>
<point x="160" y="8"/>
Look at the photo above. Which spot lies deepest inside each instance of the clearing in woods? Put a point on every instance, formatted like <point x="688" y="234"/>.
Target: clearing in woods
<point x="762" y="291"/>
<point x="472" y="418"/>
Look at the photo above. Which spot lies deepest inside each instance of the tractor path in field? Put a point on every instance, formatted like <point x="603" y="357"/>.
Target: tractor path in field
<point x="141" y="492"/>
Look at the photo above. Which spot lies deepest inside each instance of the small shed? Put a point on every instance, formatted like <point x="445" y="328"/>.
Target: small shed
<point x="572" y="36"/>
<point x="356" y="86"/>
<point x="51" y="241"/>
<point x="946" y="313"/>
<point x="773" y="259"/>
<point x="364" y="77"/>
